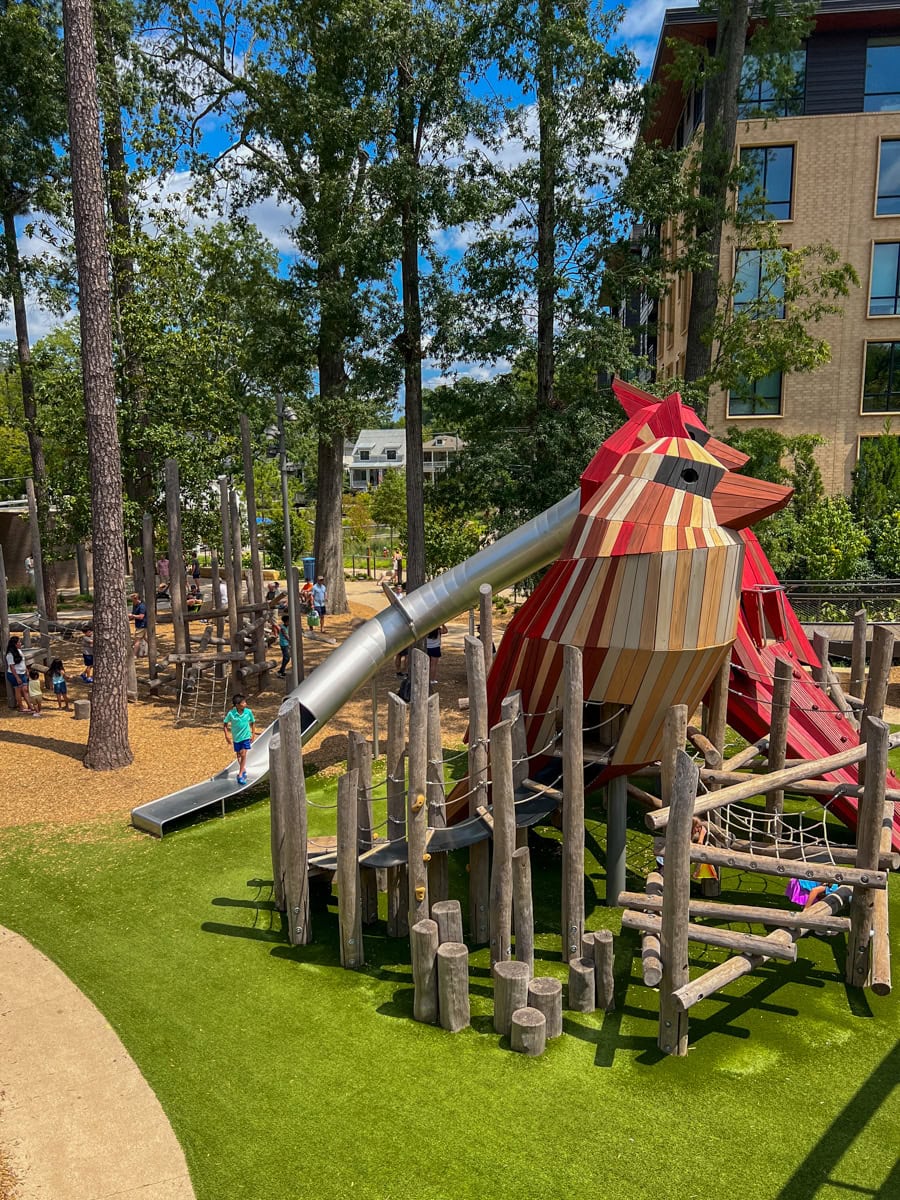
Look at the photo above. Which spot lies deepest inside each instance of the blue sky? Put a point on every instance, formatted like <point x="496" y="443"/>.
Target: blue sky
<point x="640" y="30"/>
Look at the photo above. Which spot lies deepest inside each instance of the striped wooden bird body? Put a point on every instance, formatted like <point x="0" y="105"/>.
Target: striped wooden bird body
<point x="648" y="586"/>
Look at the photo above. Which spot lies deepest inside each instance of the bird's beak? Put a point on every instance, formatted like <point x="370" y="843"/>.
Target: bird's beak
<point x="739" y="501"/>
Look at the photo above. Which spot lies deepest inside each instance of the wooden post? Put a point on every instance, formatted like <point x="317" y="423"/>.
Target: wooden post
<point x="237" y="550"/>
<point x="545" y="994"/>
<point x="582" y="990"/>
<point x="858" y="653"/>
<point x="376" y="735"/>
<point x="479" y="854"/>
<point x="651" y="962"/>
<point x="881" y="943"/>
<point x="523" y="907"/>
<point x="511" y="710"/>
<point x="226" y="568"/>
<point x="292" y="802"/>
<point x="276" y="822"/>
<point x="820" y="644"/>
<point x="673" y="1025"/>
<point x="486" y="620"/>
<point x="349" y="909"/>
<point x="423" y="944"/>
<point x="4" y="629"/>
<point x="397" y="893"/>
<point x="868" y="842"/>
<point x="447" y="914"/>
<point x="573" y="803"/>
<point x="781" y="705"/>
<point x="417" y="812"/>
<point x="880" y="665"/>
<point x="34" y="527"/>
<point x="504" y="813"/>
<point x="176" y="561"/>
<point x="510" y="992"/>
<point x="674" y="738"/>
<point x="84" y="586"/>
<point x="259" y="648"/>
<point x="716" y="711"/>
<point x="528" y="1032"/>
<point x="438" y="867"/>
<point x="148" y="553"/>
<point x="359" y="758"/>
<point x="453" y="985"/>
<point x="604" y="957"/>
<point x="216" y="603"/>
<point x="616" y="836"/>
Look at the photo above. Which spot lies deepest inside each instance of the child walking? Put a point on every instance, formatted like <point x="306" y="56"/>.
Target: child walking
<point x="239" y="725"/>
<point x="58" y="679"/>
<point x="87" y="653"/>
<point x="35" y="691"/>
<point x="284" y="645"/>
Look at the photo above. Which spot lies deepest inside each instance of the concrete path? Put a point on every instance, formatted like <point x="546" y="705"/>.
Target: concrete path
<point x="77" y="1118"/>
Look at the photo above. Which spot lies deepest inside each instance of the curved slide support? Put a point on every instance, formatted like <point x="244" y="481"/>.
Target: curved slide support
<point x="331" y="685"/>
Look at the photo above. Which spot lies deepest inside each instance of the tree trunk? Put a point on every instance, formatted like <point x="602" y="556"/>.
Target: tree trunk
<point x="720" y="129"/>
<point x="546" y="207"/>
<point x="107" y="746"/>
<point x="35" y="441"/>
<point x="329" y="544"/>
<point x="412" y="334"/>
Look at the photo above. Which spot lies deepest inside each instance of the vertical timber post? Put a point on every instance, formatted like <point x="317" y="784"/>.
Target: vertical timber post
<point x="486" y="619"/>
<point x="573" y="803"/>
<point x="511" y="710"/>
<point x="616" y="837"/>
<point x="148" y="553"/>
<point x="523" y="907"/>
<point x="34" y="526"/>
<point x="673" y="1024"/>
<point x="438" y="867"/>
<point x="778" y="733"/>
<point x="359" y="758"/>
<point x="397" y="894"/>
<point x="504" y="813"/>
<point x="276" y="822"/>
<point x="4" y="629"/>
<point x="259" y="647"/>
<point x="176" y="562"/>
<point x="349" y="910"/>
<point x="858" y="653"/>
<point x="868" y="841"/>
<point x="479" y="854"/>
<point x="821" y="644"/>
<point x="417" y="811"/>
<point x="292" y="802"/>
<point x="226" y="567"/>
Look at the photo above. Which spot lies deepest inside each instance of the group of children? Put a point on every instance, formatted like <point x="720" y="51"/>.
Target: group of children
<point x="27" y="684"/>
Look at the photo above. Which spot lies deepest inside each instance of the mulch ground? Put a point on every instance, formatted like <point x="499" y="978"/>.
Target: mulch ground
<point x="51" y="785"/>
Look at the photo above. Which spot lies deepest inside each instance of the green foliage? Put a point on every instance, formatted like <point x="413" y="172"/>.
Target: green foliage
<point x="777" y="458"/>
<point x="885" y="549"/>
<point x="388" y="504"/>
<point x="833" y="545"/>
<point x="358" y="517"/>
<point x="272" y="536"/>
<point x="876" y="478"/>
<point x="20" y="598"/>
<point x="450" y="539"/>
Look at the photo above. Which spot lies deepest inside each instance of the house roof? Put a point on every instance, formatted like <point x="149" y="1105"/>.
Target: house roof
<point x="378" y="441"/>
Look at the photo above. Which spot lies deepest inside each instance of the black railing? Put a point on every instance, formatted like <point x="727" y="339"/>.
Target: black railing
<point x="830" y="600"/>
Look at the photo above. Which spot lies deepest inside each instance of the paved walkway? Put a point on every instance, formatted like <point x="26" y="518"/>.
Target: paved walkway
<point x="77" y="1118"/>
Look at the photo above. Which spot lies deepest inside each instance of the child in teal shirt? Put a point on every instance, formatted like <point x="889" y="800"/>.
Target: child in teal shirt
<point x="241" y="722"/>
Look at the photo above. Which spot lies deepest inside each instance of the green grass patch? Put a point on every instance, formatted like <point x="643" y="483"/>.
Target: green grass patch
<point x="285" y="1075"/>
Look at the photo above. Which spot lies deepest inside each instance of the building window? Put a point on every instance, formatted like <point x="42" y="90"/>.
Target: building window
<point x="363" y="456"/>
<point x="888" y="202"/>
<point x="768" y="181"/>
<point x="881" y="386"/>
<point x="884" y="291"/>
<point x="390" y="455"/>
<point x="759" y="398"/>
<point x="781" y="97"/>
<point x="882" y="75"/>
<point x="759" y="282"/>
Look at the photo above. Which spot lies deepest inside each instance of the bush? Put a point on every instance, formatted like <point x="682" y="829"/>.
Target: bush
<point x="21" y="597"/>
<point x="833" y="545"/>
<point x="886" y="545"/>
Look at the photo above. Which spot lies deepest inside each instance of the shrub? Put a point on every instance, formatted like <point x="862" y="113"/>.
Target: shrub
<point x="20" y="597"/>
<point x="833" y="545"/>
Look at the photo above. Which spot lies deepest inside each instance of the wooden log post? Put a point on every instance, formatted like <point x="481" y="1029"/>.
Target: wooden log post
<point x="359" y="758"/>
<point x="397" y="885"/>
<point x="438" y="867"/>
<point x="787" y="868"/>
<point x="180" y="629"/>
<point x="582" y="988"/>
<point x="479" y="854"/>
<point x="148" y="553"/>
<point x="715" y="711"/>
<point x="868" y="842"/>
<point x="376" y="732"/>
<point x="447" y="915"/>
<point x="858" y="654"/>
<point x="616" y="836"/>
<point x="453" y="985"/>
<point x="84" y="586"/>
<point x="4" y="629"/>
<point x="820" y="644"/>
<point x="292" y="803"/>
<point x="510" y="992"/>
<point x="879" y="673"/>
<point x="34" y="528"/>
<point x="423" y="944"/>
<point x="708" y="935"/>
<point x="781" y="711"/>
<point x="276" y="822"/>
<point x="528" y="1032"/>
<point x="417" y="811"/>
<point x="881" y="945"/>
<point x="486" y="620"/>
<point x="226" y="570"/>
<point x="511" y="710"/>
<point x="259" y="646"/>
<point x="349" y="907"/>
<point x="81" y="710"/>
<point x="545" y="994"/>
<point x="674" y="737"/>
<point x="523" y="907"/>
<point x="504" y="813"/>
<point x="216" y="603"/>
<point x="754" y="914"/>
<point x="651" y="961"/>
<point x="572" y="923"/>
<point x="673" y="1026"/>
<point x="237" y="549"/>
<point x="604" y="975"/>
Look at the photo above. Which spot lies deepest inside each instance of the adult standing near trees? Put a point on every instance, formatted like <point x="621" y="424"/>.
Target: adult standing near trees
<point x="398" y="567"/>
<point x="319" y="599"/>
<point x="107" y="746"/>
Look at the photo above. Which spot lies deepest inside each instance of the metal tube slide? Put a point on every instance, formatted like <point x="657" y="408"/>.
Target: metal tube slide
<point x="331" y="685"/>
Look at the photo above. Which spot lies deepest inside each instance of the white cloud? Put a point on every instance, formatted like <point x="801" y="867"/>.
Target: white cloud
<point x="644" y="20"/>
<point x="479" y="372"/>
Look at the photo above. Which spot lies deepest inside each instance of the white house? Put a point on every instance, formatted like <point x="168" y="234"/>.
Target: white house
<point x="379" y="450"/>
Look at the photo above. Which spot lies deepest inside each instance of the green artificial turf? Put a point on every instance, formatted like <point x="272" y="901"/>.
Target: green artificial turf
<point x="284" y="1075"/>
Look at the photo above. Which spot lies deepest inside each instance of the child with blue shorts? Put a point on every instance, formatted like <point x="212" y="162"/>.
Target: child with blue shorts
<point x="239" y="725"/>
<point x="58" y="679"/>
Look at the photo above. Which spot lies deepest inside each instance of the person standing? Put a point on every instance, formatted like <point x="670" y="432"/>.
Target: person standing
<point x="17" y="674"/>
<point x="139" y="617"/>
<point x="319" y="599"/>
<point x="398" y="567"/>
<point x="87" y="653"/>
<point x="35" y="691"/>
<point x="284" y="645"/>
<point x="195" y="569"/>
<point x="433" y="650"/>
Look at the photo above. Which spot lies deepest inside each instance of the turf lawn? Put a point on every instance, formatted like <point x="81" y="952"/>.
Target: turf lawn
<point x="284" y="1075"/>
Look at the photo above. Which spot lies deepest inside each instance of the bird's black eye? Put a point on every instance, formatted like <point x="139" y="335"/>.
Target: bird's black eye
<point x="689" y="475"/>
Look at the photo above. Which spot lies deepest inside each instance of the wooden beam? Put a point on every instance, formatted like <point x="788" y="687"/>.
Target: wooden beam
<point x="868" y="840"/>
<point x="752" y="914"/>
<point x="712" y="756"/>
<point x="881" y="943"/>
<point x="651" y="963"/>
<point x="708" y="935"/>
<point x="673" y="934"/>
<point x="784" y="868"/>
